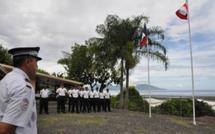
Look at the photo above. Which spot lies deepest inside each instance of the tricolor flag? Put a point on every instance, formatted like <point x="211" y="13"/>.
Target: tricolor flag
<point x="144" y="39"/>
<point x="182" y="13"/>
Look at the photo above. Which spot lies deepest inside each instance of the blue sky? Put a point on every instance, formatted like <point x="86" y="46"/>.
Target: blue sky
<point x="55" y="25"/>
<point x="178" y="76"/>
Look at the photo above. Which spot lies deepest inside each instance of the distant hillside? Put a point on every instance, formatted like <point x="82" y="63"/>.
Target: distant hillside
<point x="145" y="87"/>
<point x="140" y="88"/>
<point x="114" y="88"/>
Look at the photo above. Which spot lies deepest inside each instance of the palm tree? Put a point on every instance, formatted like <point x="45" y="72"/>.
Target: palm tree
<point x="156" y="51"/>
<point x="119" y="43"/>
<point x="117" y="36"/>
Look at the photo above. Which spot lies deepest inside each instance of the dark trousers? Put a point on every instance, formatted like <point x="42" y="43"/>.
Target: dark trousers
<point x="86" y="107"/>
<point x="90" y="104"/>
<point x="100" y="105"/>
<point x="61" y="104"/>
<point x="102" y="101"/>
<point x="107" y="105"/>
<point x="93" y="104"/>
<point x="71" y="103"/>
<point x="44" y="105"/>
<point x="97" y="104"/>
<point x="80" y="100"/>
<point x="75" y="105"/>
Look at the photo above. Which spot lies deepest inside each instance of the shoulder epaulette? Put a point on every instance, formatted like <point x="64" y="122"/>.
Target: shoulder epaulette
<point x="28" y="86"/>
<point x="27" y="80"/>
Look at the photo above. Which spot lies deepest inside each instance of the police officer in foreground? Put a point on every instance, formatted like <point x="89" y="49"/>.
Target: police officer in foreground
<point x="17" y="97"/>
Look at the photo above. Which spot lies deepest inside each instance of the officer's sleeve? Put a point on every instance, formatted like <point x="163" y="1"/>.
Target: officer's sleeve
<point x="65" y="90"/>
<point x="41" y="92"/>
<point x="57" y="91"/>
<point x="18" y="110"/>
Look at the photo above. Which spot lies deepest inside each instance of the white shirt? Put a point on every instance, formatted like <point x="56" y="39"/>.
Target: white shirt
<point x="81" y="93"/>
<point x="96" y="94"/>
<point x="70" y="92"/>
<point x="91" y="94"/>
<point x="61" y="91"/>
<point x="17" y="102"/>
<point x="75" y="93"/>
<point x="107" y="95"/>
<point x="86" y="94"/>
<point x="44" y="93"/>
<point x="101" y="95"/>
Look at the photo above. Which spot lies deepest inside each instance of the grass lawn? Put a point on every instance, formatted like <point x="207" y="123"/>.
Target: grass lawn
<point x="122" y="122"/>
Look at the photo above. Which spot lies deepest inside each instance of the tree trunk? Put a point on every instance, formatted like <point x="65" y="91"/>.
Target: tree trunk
<point x="127" y="89"/>
<point x="121" y="84"/>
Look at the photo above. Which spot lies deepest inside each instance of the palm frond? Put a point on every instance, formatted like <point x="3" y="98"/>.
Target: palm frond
<point x="156" y="31"/>
<point x="157" y="45"/>
<point x="155" y="55"/>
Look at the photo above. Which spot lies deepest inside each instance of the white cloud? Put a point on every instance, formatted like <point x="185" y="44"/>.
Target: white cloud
<point x="55" y="25"/>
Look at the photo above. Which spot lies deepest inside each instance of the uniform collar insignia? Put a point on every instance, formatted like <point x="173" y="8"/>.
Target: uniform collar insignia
<point x="22" y="73"/>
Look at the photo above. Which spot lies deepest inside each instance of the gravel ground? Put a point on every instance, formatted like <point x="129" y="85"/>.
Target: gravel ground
<point x="122" y="122"/>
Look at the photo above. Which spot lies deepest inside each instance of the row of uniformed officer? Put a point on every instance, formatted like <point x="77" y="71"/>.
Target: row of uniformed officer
<point x="17" y="97"/>
<point x="83" y="100"/>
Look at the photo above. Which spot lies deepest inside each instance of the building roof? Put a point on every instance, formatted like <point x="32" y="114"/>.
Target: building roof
<point x="7" y="68"/>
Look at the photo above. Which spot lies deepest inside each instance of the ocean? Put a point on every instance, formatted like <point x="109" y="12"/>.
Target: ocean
<point x="174" y="93"/>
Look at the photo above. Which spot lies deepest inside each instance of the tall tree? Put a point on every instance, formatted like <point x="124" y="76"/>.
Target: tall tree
<point x="42" y="71"/>
<point x="87" y="64"/>
<point x="77" y="63"/>
<point x="120" y="41"/>
<point x="116" y="34"/>
<point x="5" y="58"/>
<point x="156" y="51"/>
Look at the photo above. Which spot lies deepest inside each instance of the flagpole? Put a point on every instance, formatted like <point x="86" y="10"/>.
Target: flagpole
<point x="150" y="114"/>
<point x="192" y="72"/>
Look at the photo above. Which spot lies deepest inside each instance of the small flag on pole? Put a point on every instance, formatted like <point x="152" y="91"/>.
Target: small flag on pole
<point x="144" y="39"/>
<point x="182" y="13"/>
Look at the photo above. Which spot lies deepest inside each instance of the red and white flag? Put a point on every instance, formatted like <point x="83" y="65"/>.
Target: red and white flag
<point x="182" y="13"/>
<point x="144" y="39"/>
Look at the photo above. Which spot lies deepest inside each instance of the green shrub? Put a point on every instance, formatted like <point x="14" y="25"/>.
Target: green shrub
<point x="203" y="108"/>
<point x="184" y="107"/>
<point x="136" y="102"/>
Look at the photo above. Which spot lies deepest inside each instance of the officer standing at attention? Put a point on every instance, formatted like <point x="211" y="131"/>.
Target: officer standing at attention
<point x="71" y="101"/>
<point x="61" y="91"/>
<point x="75" y="105"/>
<point x="44" y="94"/>
<point x="107" y="100"/>
<point x="81" y="100"/>
<point x="96" y="99"/>
<point x="101" y="100"/>
<point x="17" y="97"/>
<point x="86" y="100"/>
<point x="91" y="101"/>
